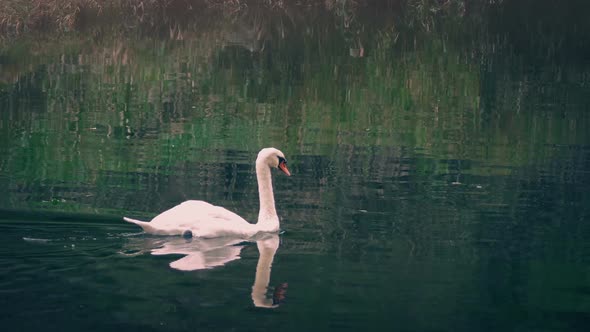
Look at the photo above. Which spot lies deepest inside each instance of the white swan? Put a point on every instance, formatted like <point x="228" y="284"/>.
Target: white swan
<point x="204" y="220"/>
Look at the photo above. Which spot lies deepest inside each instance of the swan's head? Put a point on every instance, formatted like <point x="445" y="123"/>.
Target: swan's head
<point x="273" y="158"/>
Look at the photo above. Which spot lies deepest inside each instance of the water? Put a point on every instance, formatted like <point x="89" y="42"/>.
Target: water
<point x="440" y="172"/>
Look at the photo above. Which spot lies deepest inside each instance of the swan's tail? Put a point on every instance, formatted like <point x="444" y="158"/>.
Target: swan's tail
<point x="145" y="225"/>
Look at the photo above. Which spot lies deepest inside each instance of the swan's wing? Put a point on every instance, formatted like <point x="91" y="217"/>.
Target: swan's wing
<point x="194" y="211"/>
<point x="202" y="219"/>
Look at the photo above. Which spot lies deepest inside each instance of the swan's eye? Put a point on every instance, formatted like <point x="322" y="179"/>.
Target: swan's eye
<point x="282" y="160"/>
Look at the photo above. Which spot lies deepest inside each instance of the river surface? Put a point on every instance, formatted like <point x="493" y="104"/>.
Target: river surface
<point x="440" y="173"/>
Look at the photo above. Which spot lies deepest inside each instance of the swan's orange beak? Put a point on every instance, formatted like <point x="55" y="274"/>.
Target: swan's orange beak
<point x="283" y="167"/>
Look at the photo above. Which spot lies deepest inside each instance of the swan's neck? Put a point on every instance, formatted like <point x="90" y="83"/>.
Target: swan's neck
<point x="267" y="216"/>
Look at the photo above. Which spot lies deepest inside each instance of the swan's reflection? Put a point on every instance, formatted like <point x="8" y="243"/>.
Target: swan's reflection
<point x="202" y="254"/>
<point x="267" y="248"/>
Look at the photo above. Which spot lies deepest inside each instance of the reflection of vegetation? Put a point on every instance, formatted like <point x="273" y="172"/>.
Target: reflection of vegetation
<point x="450" y="145"/>
<point x="118" y="121"/>
<point x="25" y="15"/>
<point x="424" y="13"/>
<point x="22" y="16"/>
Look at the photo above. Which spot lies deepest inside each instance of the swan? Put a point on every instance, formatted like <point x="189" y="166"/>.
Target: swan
<point x="205" y="220"/>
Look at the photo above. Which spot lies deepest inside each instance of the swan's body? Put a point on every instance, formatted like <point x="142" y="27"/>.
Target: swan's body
<point x="205" y="220"/>
<point x="202" y="219"/>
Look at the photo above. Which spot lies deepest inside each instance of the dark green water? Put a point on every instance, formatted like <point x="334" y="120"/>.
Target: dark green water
<point x="441" y="168"/>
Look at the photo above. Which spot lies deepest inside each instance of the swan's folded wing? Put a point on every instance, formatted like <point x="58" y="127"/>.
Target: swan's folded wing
<point x="202" y="220"/>
<point x="195" y="211"/>
<point x="209" y="211"/>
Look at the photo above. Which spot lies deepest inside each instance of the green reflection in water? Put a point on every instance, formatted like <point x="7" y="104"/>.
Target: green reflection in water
<point x="440" y="169"/>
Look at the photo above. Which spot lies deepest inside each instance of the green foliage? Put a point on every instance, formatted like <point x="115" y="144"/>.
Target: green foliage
<point x="105" y="121"/>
